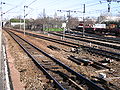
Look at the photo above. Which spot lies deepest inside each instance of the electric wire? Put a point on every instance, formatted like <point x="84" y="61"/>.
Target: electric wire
<point x="13" y="7"/>
<point x="31" y="2"/>
<point x="56" y="2"/>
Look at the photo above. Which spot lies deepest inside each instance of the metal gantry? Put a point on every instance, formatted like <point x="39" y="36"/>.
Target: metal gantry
<point x="69" y="15"/>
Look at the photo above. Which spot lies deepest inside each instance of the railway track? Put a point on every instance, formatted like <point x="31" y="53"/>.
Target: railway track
<point x="91" y="40"/>
<point x="92" y="50"/>
<point x="108" y="39"/>
<point x="61" y="76"/>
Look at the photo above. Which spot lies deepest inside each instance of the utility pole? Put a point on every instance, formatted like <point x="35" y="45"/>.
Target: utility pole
<point x="44" y="21"/>
<point x="20" y="23"/>
<point x="24" y="18"/>
<point x="69" y="13"/>
<point x="109" y="2"/>
<point x="83" y="20"/>
<point x="109" y="7"/>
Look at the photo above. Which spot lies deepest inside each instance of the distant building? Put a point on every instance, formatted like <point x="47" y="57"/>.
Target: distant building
<point x="16" y="23"/>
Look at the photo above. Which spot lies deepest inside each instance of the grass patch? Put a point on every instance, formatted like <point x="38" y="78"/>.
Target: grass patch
<point x="54" y="29"/>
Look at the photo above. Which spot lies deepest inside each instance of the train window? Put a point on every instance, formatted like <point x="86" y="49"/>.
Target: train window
<point x="118" y="26"/>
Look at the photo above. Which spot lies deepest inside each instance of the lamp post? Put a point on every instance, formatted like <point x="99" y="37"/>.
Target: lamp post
<point x="20" y="22"/>
<point x="24" y="18"/>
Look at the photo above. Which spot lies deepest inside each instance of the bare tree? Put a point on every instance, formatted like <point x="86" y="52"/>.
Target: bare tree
<point x="101" y="18"/>
<point x="73" y="22"/>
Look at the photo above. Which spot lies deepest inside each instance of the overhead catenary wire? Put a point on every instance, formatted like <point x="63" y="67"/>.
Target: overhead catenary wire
<point x="9" y="4"/>
<point x="29" y="5"/>
<point x="31" y="9"/>
<point x="13" y="7"/>
<point x="91" y="5"/>
<point x="54" y="3"/>
<point x="86" y="6"/>
<point x="102" y="10"/>
<point x="26" y="14"/>
<point x="31" y="2"/>
<point x="99" y="10"/>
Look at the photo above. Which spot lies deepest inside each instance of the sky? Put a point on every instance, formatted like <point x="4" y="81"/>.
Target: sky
<point x="93" y="8"/>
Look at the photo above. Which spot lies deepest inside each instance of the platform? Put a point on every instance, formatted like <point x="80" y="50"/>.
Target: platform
<point x="1" y="76"/>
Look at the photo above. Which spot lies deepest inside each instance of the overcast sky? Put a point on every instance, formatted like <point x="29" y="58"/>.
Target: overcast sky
<point x="94" y="8"/>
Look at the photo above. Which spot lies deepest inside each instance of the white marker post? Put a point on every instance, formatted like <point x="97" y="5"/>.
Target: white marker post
<point x="64" y="27"/>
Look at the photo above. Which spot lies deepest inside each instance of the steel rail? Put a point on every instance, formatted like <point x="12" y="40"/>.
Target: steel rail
<point x="94" y="42"/>
<point x="105" y="39"/>
<point x="38" y="64"/>
<point x="90" y="49"/>
<point x="117" y="40"/>
<point x="105" y="53"/>
<point x="87" y="81"/>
